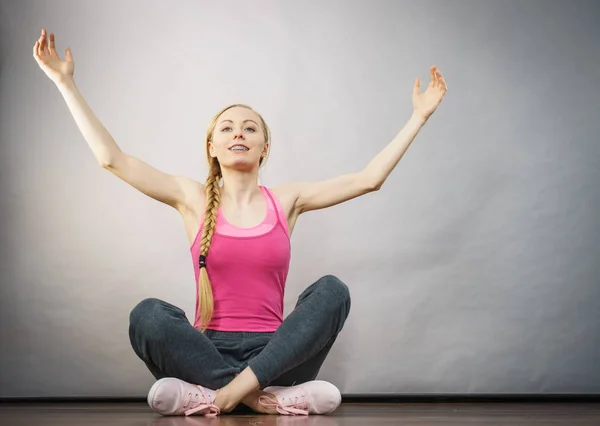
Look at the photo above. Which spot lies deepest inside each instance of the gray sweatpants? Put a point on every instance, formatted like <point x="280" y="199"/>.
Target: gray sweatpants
<point x="170" y="346"/>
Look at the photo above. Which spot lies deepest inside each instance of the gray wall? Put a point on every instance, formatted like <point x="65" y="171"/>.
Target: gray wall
<point x="475" y="268"/>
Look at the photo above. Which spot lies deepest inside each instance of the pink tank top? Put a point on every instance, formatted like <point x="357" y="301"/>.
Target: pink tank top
<point x="248" y="269"/>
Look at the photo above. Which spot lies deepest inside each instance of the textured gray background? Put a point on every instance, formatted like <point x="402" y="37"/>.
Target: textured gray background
<point x="474" y="270"/>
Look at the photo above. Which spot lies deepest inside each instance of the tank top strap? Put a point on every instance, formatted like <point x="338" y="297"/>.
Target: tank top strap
<point x="278" y="209"/>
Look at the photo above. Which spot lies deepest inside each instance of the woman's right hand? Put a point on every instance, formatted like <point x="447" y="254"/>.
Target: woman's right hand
<point x="45" y="54"/>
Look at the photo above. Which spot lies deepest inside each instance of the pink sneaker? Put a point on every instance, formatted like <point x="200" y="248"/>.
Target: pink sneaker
<point x="173" y="397"/>
<point x="314" y="397"/>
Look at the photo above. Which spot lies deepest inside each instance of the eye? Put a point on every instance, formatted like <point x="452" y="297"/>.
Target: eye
<point x="225" y="128"/>
<point x="251" y="129"/>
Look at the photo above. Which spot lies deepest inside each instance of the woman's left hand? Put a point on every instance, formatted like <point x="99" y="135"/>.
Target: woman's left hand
<point x="424" y="104"/>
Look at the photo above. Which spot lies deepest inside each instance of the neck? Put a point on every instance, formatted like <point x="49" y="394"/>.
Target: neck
<point x="239" y="188"/>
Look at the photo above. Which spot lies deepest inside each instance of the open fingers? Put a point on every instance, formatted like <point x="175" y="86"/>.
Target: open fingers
<point x="432" y="77"/>
<point x="417" y="86"/>
<point x="42" y="47"/>
<point x="437" y="79"/>
<point x="44" y="50"/>
<point x="38" y="47"/>
<point x="51" y="46"/>
<point x="442" y="82"/>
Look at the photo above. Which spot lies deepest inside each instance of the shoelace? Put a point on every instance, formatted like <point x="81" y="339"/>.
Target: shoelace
<point x="200" y="402"/>
<point x="293" y="407"/>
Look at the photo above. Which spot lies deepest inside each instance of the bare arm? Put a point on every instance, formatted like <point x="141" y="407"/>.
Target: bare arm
<point x="95" y="134"/>
<point x="309" y="196"/>
<point x="177" y="191"/>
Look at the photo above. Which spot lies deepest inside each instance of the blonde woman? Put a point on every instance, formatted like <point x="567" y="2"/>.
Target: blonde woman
<point x="239" y="349"/>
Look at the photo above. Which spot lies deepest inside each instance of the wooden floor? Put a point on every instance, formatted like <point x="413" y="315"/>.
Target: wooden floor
<point x="348" y="414"/>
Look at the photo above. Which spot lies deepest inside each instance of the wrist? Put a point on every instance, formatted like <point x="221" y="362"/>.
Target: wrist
<point x="418" y="118"/>
<point x="65" y="84"/>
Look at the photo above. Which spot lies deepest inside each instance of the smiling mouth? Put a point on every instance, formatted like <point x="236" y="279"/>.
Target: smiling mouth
<point x="239" y="148"/>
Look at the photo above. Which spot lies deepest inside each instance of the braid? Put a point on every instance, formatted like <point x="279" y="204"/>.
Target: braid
<point x="213" y="199"/>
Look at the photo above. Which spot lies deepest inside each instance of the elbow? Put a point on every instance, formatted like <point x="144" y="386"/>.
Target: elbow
<point x="105" y="164"/>
<point x="110" y="161"/>
<point x="371" y="184"/>
<point x="376" y="186"/>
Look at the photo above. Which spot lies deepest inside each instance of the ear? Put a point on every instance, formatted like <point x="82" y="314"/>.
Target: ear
<point x="211" y="150"/>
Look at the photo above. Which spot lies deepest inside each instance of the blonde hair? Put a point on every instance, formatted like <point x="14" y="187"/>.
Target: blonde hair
<point x="213" y="199"/>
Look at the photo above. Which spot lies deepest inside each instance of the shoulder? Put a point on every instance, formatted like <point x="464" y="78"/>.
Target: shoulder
<point x="286" y="190"/>
<point x="287" y="194"/>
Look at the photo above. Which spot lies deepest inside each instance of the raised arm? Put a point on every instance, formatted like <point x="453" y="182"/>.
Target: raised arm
<point x="175" y="191"/>
<point x="317" y="195"/>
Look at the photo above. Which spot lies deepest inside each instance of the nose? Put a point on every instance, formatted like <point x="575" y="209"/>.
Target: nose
<point x="238" y="134"/>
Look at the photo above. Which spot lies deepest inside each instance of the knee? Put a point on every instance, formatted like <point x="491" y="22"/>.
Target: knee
<point x="145" y="314"/>
<point x="336" y="291"/>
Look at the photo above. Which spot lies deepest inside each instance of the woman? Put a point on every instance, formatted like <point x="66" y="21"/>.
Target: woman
<point x="239" y="348"/>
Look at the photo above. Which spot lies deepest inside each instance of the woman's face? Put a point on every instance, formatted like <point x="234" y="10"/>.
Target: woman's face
<point x="238" y="140"/>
